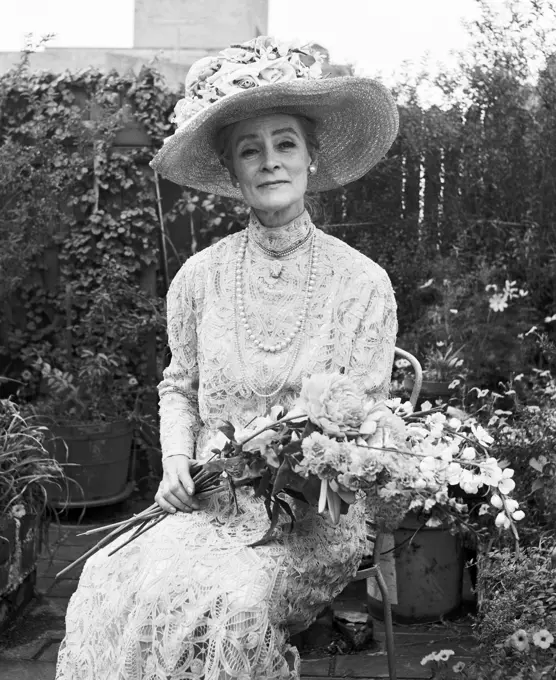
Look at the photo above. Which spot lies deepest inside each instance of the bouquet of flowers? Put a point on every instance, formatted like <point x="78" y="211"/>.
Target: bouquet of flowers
<point x="336" y="446"/>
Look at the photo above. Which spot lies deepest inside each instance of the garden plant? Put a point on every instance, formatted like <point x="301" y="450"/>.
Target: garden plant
<point x="461" y="214"/>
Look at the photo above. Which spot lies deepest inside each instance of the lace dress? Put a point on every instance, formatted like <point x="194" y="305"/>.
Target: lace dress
<point x="189" y="599"/>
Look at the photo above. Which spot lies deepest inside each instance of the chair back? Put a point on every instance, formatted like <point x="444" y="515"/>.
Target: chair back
<point x="418" y="374"/>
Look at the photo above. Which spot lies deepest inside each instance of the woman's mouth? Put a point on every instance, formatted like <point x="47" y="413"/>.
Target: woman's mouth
<point x="270" y="185"/>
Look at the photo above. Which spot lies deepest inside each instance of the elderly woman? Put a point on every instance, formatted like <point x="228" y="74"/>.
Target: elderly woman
<point x="248" y="318"/>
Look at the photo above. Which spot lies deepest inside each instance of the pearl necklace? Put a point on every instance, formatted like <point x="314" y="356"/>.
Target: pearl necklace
<point x="299" y="326"/>
<point x="287" y="251"/>
<point x="240" y="301"/>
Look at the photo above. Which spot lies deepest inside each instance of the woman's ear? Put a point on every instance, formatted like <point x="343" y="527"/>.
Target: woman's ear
<point x="314" y="158"/>
<point x="233" y="178"/>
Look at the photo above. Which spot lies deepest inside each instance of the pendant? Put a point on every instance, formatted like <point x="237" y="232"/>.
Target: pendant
<point x="275" y="269"/>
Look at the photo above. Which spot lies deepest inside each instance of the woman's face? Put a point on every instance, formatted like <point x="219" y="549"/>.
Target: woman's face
<point x="270" y="163"/>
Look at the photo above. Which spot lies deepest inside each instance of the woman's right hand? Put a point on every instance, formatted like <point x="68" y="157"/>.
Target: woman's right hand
<point x="176" y="490"/>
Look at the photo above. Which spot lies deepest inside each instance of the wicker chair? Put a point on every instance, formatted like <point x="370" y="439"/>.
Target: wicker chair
<point x="374" y="570"/>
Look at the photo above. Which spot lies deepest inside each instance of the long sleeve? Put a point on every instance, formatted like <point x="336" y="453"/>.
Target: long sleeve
<point x="178" y="391"/>
<point x="375" y="341"/>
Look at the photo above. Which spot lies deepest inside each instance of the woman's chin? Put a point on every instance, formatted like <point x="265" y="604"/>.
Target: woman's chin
<point x="275" y="203"/>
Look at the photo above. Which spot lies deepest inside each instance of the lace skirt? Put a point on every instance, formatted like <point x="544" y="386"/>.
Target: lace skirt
<point x="189" y="599"/>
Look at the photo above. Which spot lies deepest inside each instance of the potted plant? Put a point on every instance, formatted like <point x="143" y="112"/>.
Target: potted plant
<point x="91" y="389"/>
<point x="459" y="499"/>
<point x="441" y="368"/>
<point x="26" y="468"/>
<point x="91" y="407"/>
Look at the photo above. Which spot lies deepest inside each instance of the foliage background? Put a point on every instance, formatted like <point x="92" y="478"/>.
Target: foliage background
<point x="464" y="199"/>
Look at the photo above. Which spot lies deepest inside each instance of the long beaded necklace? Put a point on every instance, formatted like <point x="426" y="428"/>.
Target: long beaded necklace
<point x="296" y="334"/>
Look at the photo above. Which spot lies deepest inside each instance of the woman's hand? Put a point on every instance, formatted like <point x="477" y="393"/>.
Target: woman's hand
<point x="176" y="490"/>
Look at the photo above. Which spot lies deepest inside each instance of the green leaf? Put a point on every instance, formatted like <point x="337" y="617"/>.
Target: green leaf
<point x="228" y="429"/>
<point x="537" y="485"/>
<point x="284" y="477"/>
<point x="268" y="536"/>
<point x="286" y="507"/>
<point x="262" y="487"/>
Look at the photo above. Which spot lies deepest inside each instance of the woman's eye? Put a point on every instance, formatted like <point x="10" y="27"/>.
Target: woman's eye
<point x="247" y="152"/>
<point x="286" y="144"/>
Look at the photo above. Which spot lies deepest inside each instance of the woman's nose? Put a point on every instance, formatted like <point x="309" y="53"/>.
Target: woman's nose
<point x="271" y="160"/>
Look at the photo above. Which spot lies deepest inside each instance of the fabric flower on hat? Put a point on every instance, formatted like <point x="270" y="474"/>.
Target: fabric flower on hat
<point x="279" y="70"/>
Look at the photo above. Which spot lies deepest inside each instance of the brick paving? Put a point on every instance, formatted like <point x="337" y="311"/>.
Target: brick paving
<point x="35" y="658"/>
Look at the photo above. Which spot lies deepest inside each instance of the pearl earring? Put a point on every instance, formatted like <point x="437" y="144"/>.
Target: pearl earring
<point x="312" y="169"/>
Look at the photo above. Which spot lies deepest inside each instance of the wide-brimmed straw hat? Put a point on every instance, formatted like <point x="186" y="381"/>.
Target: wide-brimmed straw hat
<point x="356" y="118"/>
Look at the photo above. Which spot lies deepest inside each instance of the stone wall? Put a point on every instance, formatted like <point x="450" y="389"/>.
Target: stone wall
<point x="210" y="24"/>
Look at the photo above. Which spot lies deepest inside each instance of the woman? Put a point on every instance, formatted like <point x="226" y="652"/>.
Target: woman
<point x="247" y="319"/>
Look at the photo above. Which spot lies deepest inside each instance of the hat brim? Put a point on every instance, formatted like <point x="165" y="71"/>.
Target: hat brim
<point x="357" y="122"/>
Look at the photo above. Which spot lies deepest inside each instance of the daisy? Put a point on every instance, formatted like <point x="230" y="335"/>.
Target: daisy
<point x="458" y="667"/>
<point x="543" y="639"/>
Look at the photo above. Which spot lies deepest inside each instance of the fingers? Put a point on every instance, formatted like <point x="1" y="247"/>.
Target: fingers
<point x="171" y="496"/>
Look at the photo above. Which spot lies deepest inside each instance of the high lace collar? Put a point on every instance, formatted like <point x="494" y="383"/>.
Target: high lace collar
<point x="281" y="238"/>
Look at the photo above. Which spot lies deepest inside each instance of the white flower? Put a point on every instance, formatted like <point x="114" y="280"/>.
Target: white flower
<point x="262" y="440"/>
<point x="453" y="473"/>
<point x="498" y="302"/>
<point x="402" y="363"/>
<point x="484" y="509"/>
<point x="468" y="453"/>
<point x="444" y="654"/>
<point x="502" y="520"/>
<point x="470" y="482"/>
<point x="518" y="515"/>
<point x="481" y="434"/>
<point x="458" y="667"/>
<point x="496" y="501"/>
<point x="506" y="485"/>
<point x="434" y="522"/>
<point x="491" y="471"/>
<point x="511" y="505"/>
<point x="543" y="639"/>
<point x="18" y="510"/>
<point x="430" y="657"/>
<point x="519" y="640"/>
